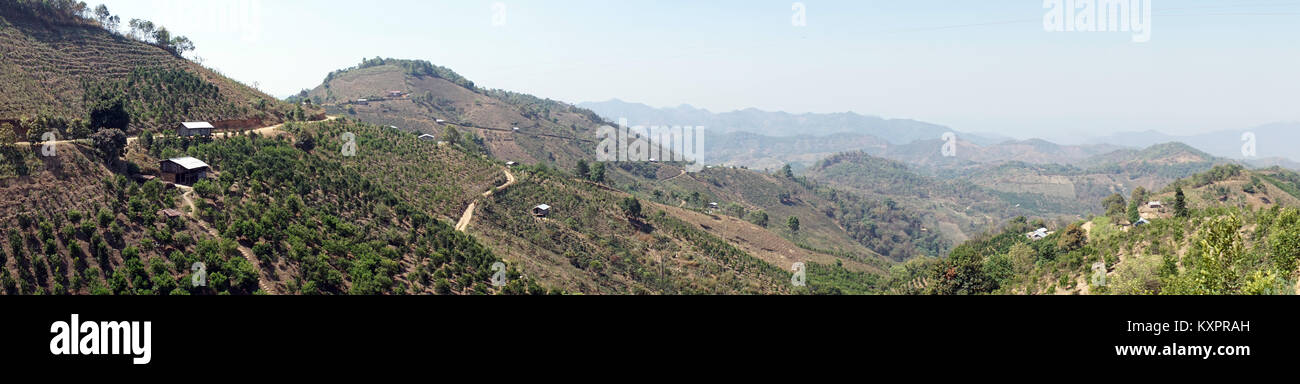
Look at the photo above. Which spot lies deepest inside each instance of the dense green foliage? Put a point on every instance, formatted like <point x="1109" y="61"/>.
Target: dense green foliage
<point x="881" y="224"/>
<point x="119" y="248"/>
<point x="1215" y="249"/>
<point x="336" y="224"/>
<point x="158" y="99"/>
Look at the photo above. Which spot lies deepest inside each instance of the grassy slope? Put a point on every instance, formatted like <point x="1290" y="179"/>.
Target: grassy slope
<point x="448" y="99"/>
<point x="544" y="126"/>
<point x="44" y="68"/>
<point x="589" y="245"/>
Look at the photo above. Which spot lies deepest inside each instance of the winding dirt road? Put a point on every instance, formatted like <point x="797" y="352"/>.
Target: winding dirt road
<point x="468" y="216"/>
<point x="674" y="177"/>
<point x="262" y="281"/>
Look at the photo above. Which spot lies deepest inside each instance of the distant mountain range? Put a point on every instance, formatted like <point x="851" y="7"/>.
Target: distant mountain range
<point x="1274" y="143"/>
<point x="762" y="139"/>
<point x="779" y="124"/>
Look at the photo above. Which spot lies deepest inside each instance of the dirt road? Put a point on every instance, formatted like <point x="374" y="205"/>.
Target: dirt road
<point x="262" y="281"/>
<point x="468" y="216"/>
<point x="674" y="177"/>
<point x="130" y="140"/>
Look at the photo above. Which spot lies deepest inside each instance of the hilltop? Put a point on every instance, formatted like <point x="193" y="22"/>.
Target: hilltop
<point x="414" y="96"/>
<point x="1268" y="141"/>
<point x="66" y="72"/>
<point x="423" y="94"/>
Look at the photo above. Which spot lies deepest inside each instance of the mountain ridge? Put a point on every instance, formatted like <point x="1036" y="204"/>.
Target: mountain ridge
<point x="769" y="123"/>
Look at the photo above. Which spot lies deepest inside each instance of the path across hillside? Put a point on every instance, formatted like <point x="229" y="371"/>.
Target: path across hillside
<point x="219" y="135"/>
<point x="468" y="216"/>
<point x="262" y="281"/>
<point x="187" y="197"/>
<point x="674" y="177"/>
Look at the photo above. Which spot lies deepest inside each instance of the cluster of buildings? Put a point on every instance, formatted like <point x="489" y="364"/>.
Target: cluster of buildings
<point x="187" y="170"/>
<point x="1042" y="233"/>
<point x="390" y="96"/>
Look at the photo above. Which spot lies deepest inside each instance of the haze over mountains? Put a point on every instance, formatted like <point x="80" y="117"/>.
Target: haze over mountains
<point x="363" y="202"/>
<point x="759" y="138"/>
<point x="778" y="124"/>
<point x="1272" y="141"/>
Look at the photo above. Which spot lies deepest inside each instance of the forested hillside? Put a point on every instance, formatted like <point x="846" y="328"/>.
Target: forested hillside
<point x="1226" y="231"/>
<point x="72" y="70"/>
<point x="557" y="137"/>
<point x="287" y="214"/>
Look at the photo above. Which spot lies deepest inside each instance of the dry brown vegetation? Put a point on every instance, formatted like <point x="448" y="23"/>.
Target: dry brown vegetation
<point x="47" y="68"/>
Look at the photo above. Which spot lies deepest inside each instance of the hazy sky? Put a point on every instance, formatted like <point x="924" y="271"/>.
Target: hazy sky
<point x="980" y="66"/>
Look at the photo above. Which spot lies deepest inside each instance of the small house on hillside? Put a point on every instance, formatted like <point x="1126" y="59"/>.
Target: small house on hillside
<point x="1040" y="234"/>
<point x="1155" y="205"/>
<point x="363" y="102"/>
<point x="184" y="170"/>
<point x="511" y="164"/>
<point x="713" y="205"/>
<point x="194" y="128"/>
<point x="1141" y="222"/>
<point x="440" y="121"/>
<point x="394" y="93"/>
<point x="542" y="210"/>
<point x="428" y="137"/>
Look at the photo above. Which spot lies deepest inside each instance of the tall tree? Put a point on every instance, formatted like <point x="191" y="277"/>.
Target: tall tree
<point x="759" y="218"/>
<point x="180" y="45"/>
<point x="110" y="143"/>
<point x="1114" y="205"/>
<point x="1139" y="194"/>
<point x="583" y="170"/>
<point x="7" y="135"/>
<point x="631" y="207"/>
<point x="793" y="224"/>
<point x="1073" y="238"/>
<point x="162" y="37"/>
<point x="598" y="172"/>
<point x="112" y="23"/>
<point x="146" y="29"/>
<point x="102" y="14"/>
<point x="109" y="113"/>
<point x="1180" y="202"/>
<point x="133" y="27"/>
<point x="961" y="274"/>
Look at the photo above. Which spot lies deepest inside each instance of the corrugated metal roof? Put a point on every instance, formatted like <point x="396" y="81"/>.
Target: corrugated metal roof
<point x="189" y="163"/>
<point x="197" y="125"/>
<point x="544" y="207"/>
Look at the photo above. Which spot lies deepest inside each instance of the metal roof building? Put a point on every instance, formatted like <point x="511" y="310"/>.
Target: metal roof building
<point x="194" y="128"/>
